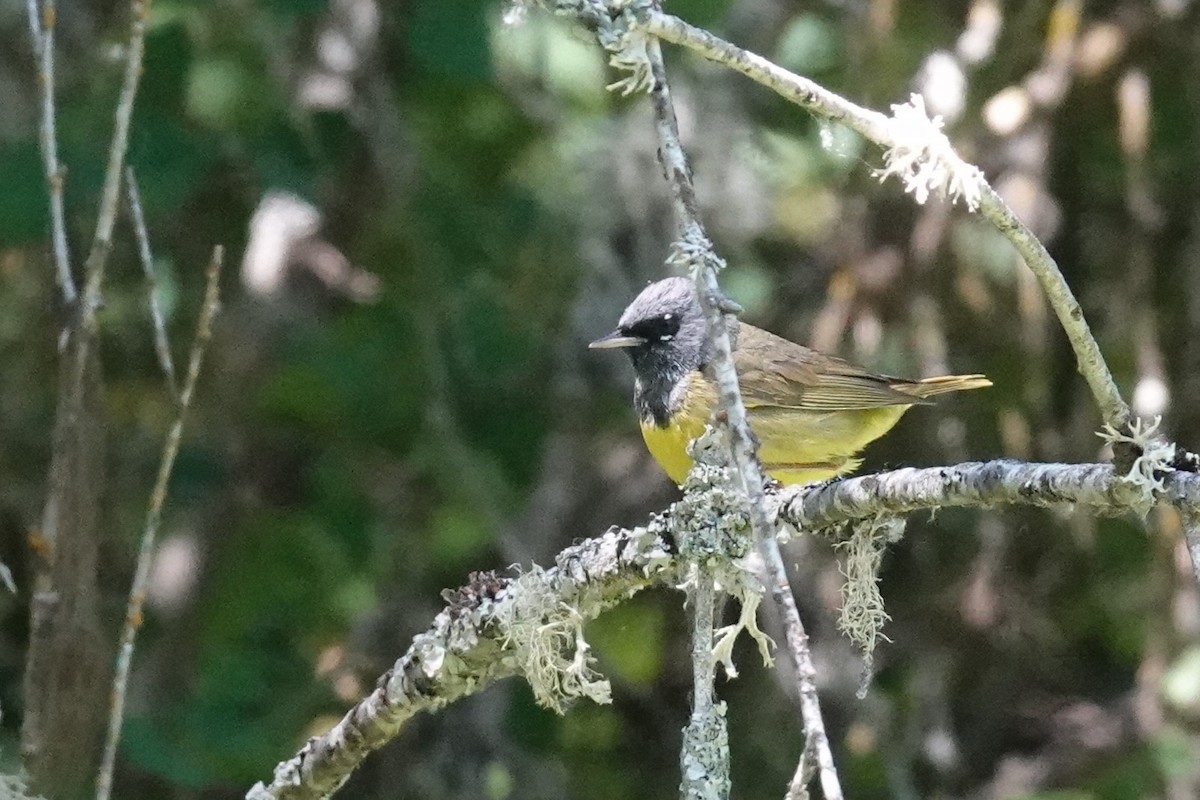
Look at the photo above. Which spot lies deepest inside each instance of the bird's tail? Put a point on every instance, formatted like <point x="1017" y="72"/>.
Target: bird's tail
<point x="946" y="383"/>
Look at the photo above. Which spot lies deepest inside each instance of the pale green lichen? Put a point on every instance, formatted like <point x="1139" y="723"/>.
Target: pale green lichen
<point x="1146" y="474"/>
<point x="921" y="156"/>
<point x="704" y="758"/>
<point x="546" y="637"/>
<point x="712" y="521"/>
<point x="712" y="528"/>
<point x="749" y="597"/>
<point x="863" y="614"/>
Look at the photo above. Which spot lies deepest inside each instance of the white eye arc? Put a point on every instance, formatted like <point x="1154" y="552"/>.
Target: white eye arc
<point x="666" y="338"/>
<point x="668" y="317"/>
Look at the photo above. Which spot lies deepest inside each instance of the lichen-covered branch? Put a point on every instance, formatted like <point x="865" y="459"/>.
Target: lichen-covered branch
<point x="481" y="637"/>
<point x="881" y="130"/>
<point x="141" y="578"/>
<point x="1096" y="487"/>
<point x="484" y="634"/>
<point x="696" y="250"/>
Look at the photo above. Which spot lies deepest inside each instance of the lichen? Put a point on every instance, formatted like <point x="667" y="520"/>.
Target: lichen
<point x="749" y="596"/>
<point x="704" y="758"/>
<point x="1146" y="474"/>
<point x="863" y="614"/>
<point x="546" y="637"/>
<point x="712" y="528"/>
<point x="922" y="157"/>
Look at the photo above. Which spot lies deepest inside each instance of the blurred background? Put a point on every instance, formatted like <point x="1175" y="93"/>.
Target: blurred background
<point x="429" y="213"/>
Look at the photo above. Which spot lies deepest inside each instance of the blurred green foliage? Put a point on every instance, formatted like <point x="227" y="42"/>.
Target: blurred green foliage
<point x="349" y="459"/>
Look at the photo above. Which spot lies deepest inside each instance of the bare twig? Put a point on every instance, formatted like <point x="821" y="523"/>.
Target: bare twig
<point x="111" y="193"/>
<point x="161" y="345"/>
<point x="137" y="591"/>
<point x="877" y="128"/>
<point x="41" y="28"/>
<point x="1191" y="532"/>
<point x="698" y="249"/>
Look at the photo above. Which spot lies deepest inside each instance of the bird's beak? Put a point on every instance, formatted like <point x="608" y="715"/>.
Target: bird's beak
<point x="616" y="339"/>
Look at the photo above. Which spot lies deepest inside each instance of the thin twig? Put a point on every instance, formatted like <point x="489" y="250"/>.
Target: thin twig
<point x="876" y="127"/>
<point x="41" y="29"/>
<point x="1191" y="534"/>
<point x="137" y="591"/>
<point x="161" y="345"/>
<point x="111" y="193"/>
<point x="742" y="444"/>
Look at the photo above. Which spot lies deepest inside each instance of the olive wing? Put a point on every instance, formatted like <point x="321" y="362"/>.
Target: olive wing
<point x="774" y="372"/>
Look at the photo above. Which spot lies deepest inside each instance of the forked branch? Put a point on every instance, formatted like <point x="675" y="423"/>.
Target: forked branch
<point x="158" y="496"/>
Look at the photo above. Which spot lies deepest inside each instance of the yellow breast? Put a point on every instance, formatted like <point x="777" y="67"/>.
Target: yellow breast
<point x="795" y="446"/>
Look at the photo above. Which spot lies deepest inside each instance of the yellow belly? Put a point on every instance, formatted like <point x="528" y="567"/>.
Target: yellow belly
<point x="795" y="446"/>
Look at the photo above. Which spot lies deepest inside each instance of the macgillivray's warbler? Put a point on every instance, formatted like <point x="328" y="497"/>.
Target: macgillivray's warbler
<point x="811" y="413"/>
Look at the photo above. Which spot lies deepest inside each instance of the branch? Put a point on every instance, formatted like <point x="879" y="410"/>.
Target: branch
<point x="1098" y="487"/>
<point x="111" y="193"/>
<point x="161" y="345"/>
<point x="705" y="768"/>
<point x="141" y="578"/>
<point x="704" y="756"/>
<point x="471" y="644"/>
<point x="882" y="130"/>
<point x="41" y="29"/>
<point x="696" y="248"/>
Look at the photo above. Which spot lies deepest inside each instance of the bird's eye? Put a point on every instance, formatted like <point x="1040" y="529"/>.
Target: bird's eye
<point x="656" y="329"/>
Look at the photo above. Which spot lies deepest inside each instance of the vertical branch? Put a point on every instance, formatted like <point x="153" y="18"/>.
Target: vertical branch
<point x="41" y="29"/>
<point x="137" y="591"/>
<point x="161" y="345"/>
<point x="695" y="243"/>
<point x="704" y="756"/>
<point x="111" y="194"/>
<point x="703" y="597"/>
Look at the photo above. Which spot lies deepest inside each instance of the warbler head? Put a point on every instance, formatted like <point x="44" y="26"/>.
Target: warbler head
<point x="663" y="331"/>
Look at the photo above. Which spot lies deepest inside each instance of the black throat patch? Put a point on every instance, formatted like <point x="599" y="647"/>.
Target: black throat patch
<point x="658" y="373"/>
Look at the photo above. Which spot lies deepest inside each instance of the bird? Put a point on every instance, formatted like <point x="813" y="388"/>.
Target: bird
<point x="811" y="413"/>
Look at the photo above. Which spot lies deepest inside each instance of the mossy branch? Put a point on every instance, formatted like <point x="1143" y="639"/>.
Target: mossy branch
<point x="470" y="644"/>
